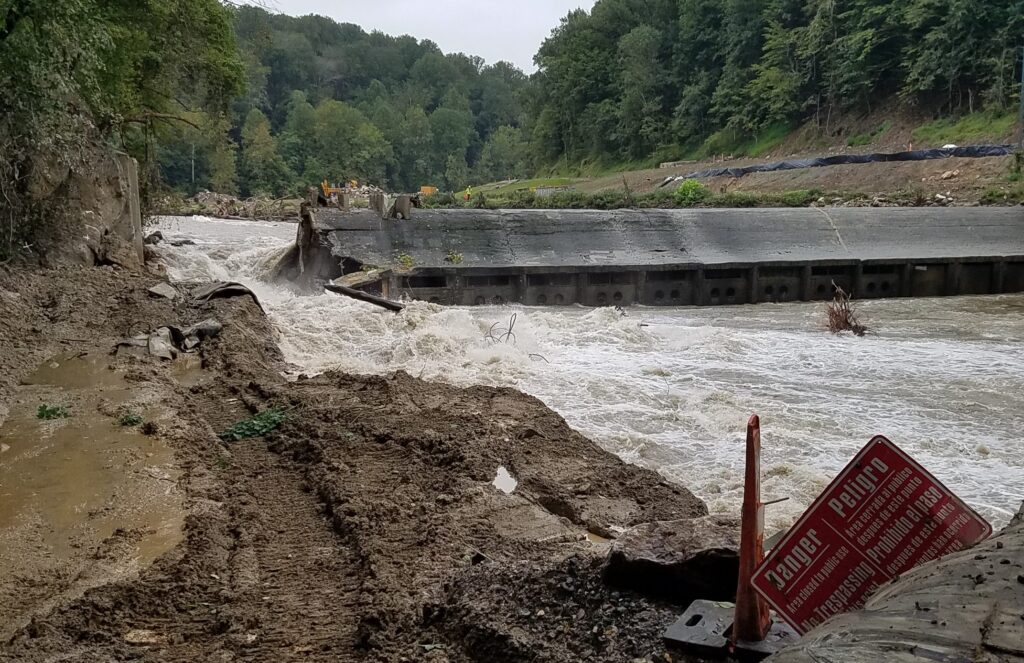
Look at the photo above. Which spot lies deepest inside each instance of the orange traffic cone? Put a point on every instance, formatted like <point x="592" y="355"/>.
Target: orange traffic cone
<point x="752" y="621"/>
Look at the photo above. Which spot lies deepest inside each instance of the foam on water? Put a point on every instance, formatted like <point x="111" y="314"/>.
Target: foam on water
<point x="671" y="389"/>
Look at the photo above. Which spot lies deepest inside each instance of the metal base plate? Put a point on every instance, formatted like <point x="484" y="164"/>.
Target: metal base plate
<point x="706" y="626"/>
<point x="703" y="628"/>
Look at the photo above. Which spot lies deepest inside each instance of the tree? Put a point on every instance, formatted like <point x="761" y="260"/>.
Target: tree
<point x="503" y="156"/>
<point x="456" y="172"/>
<point x="223" y="157"/>
<point x="263" y="169"/>
<point x="774" y="92"/>
<point x="641" y="122"/>
<point x="85" y="72"/>
<point x="199" y="154"/>
<point x="452" y="132"/>
<point x="633" y="78"/>
<point x="292" y="65"/>
<point x="414" y="150"/>
<point x="347" y="145"/>
<point x="297" y="140"/>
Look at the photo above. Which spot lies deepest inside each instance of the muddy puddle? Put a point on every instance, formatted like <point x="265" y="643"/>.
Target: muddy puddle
<point x="76" y="469"/>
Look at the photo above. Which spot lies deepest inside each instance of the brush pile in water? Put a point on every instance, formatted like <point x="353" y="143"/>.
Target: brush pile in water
<point x="841" y="316"/>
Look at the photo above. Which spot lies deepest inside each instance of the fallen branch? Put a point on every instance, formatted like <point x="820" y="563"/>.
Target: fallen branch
<point x="164" y="117"/>
<point x="365" y="297"/>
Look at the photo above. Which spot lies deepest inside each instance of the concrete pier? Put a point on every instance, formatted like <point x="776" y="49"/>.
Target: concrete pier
<point x="682" y="257"/>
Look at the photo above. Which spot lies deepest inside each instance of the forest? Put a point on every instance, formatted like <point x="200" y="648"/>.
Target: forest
<point x="635" y="78"/>
<point x="233" y="98"/>
<point x="325" y="100"/>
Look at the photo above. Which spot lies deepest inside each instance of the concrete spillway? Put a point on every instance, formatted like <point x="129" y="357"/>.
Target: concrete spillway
<point x="681" y="257"/>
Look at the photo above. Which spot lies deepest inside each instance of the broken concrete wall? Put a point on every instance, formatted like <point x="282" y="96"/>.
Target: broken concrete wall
<point x="309" y="261"/>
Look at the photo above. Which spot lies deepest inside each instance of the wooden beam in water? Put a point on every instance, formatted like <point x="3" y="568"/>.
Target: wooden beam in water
<point x="365" y="297"/>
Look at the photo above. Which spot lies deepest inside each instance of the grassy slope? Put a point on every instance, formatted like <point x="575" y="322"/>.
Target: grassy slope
<point x="885" y="130"/>
<point x="505" y="188"/>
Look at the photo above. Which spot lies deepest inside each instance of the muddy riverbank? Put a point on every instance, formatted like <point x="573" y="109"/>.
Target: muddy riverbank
<point x="367" y="527"/>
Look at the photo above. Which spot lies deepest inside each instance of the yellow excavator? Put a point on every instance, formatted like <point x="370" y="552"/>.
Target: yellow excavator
<point x="331" y="192"/>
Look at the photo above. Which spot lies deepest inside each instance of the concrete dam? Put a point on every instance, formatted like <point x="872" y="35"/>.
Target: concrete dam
<point x="702" y="257"/>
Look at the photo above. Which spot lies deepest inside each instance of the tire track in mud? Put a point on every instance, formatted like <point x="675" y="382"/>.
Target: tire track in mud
<point x="295" y="578"/>
<point x="302" y="575"/>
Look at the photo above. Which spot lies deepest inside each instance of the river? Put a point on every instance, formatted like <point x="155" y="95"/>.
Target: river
<point x="672" y="388"/>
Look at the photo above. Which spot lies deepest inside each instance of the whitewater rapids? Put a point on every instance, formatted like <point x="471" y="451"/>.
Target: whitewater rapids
<point x="672" y="388"/>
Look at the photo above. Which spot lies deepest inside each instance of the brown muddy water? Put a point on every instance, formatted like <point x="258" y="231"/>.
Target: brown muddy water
<point x="71" y="483"/>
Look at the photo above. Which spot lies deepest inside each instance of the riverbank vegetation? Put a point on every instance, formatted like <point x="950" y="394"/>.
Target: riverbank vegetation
<point x="690" y="194"/>
<point x="84" y="77"/>
<point x="245" y="102"/>
<point x="626" y="85"/>
<point x="690" y="78"/>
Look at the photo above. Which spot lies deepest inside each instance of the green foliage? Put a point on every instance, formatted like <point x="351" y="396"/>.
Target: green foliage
<point x="503" y="156"/>
<point x="734" y="142"/>
<point x="278" y="103"/>
<point x="130" y="419"/>
<point x="1003" y="196"/>
<point x="799" y="198"/>
<point x="263" y="168"/>
<point x="631" y="79"/>
<point x="344" y="104"/>
<point x="972" y="127"/>
<point x="506" y="188"/>
<point x="867" y="138"/>
<point x="454" y="257"/>
<point x="693" y="195"/>
<point x="79" y="73"/>
<point x="406" y="261"/>
<point x="263" y="423"/>
<point x="1017" y="166"/>
<point x="51" y="412"/>
<point x="690" y="193"/>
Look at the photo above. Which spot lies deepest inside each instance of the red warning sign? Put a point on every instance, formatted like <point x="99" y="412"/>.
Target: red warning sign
<point x="883" y="516"/>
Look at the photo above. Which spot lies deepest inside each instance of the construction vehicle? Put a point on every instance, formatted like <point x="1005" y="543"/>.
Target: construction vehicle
<point x="333" y="191"/>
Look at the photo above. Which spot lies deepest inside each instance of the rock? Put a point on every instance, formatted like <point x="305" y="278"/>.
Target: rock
<point x="161" y="345"/>
<point x="143" y="637"/>
<point x="165" y="290"/>
<point x="205" y="329"/>
<point x="196" y="334"/>
<point x="154" y="238"/>
<point x="950" y="174"/>
<point x="680" y="560"/>
<point x="104" y="226"/>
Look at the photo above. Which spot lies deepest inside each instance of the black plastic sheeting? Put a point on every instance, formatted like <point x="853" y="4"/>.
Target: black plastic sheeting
<point x="969" y="152"/>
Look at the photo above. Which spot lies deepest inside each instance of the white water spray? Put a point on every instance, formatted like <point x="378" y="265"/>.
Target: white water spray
<point x="943" y="378"/>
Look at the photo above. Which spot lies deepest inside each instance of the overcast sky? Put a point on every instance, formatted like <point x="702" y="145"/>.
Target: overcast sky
<point x="495" y="30"/>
